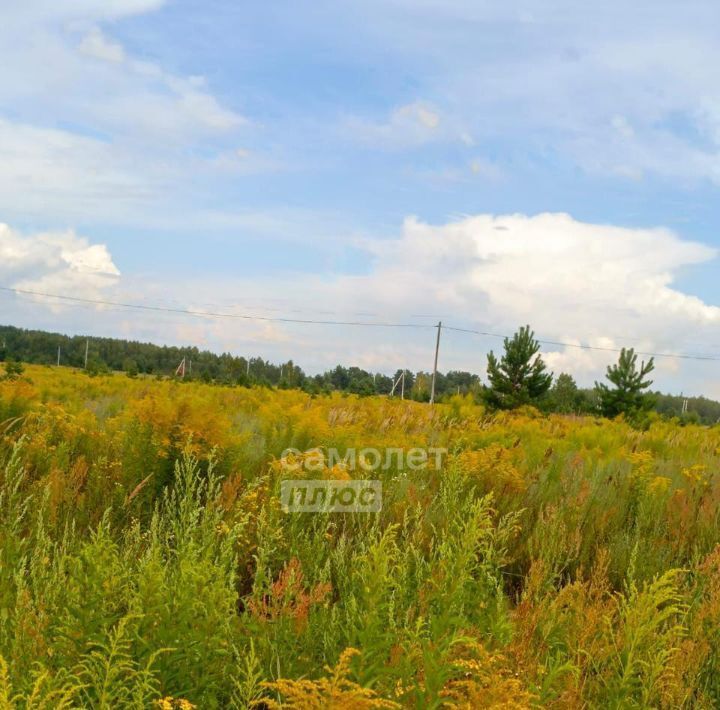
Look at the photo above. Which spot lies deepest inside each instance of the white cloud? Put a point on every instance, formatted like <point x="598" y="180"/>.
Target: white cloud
<point x="573" y="282"/>
<point x="66" y="175"/>
<point x="201" y="108"/>
<point x="645" y="86"/>
<point x="141" y="99"/>
<point x="55" y="262"/>
<point x="94" y="131"/>
<point x="425" y="116"/>
<point x="531" y="268"/>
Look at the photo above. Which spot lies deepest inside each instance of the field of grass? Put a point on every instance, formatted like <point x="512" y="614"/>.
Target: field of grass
<point x="146" y="561"/>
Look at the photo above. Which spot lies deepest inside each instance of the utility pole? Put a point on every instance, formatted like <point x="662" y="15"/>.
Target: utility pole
<point x="247" y="369"/>
<point x="400" y="379"/>
<point x="58" y="360"/>
<point x="87" y="347"/>
<point x="434" y="376"/>
<point x="180" y="371"/>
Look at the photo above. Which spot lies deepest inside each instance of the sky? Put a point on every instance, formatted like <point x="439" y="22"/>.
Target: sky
<point x="400" y="161"/>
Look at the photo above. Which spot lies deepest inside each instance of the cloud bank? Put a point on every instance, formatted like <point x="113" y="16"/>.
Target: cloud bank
<point x="573" y="282"/>
<point x="55" y="262"/>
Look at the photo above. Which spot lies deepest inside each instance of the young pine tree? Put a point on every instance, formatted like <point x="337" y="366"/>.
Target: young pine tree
<point x="565" y="397"/>
<point x="519" y="377"/>
<point x="628" y="396"/>
<point x="13" y="369"/>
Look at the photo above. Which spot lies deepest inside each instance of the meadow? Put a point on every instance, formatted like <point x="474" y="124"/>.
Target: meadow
<point x="549" y="561"/>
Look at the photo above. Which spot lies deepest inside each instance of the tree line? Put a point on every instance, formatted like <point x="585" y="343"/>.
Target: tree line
<point x="138" y="358"/>
<point x="517" y="377"/>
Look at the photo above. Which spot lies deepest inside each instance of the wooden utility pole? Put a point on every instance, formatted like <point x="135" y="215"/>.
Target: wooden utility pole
<point x="87" y="347"/>
<point x="58" y="360"/>
<point x="434" y="375"/>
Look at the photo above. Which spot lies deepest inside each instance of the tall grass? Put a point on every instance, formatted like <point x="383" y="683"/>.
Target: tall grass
<point x="145" y="559"/>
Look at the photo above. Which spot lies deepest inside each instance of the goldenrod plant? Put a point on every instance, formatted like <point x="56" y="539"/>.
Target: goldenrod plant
<point x="556" y="561"/>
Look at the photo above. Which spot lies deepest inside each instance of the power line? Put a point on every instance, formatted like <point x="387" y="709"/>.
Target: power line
<point x="308" y="321"/>
<point x="211" y="314"/>
<point x="580" y="346"/>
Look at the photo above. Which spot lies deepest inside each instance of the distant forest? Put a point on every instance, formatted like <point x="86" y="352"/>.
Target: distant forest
<point x="136" y="358"/>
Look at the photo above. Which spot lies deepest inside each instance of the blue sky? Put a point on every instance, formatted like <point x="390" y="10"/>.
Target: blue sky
<point x="491" y="164"/>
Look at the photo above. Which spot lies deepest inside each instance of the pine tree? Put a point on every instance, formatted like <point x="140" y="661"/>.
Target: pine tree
<point x="627" y="396"/>
<point x="519" y="377"/>
<point x="565" y="396"/>
<point x="13" y="369"/>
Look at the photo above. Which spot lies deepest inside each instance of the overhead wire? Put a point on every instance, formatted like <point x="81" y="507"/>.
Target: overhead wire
<point x="354" y="323"/>
<point x="212" y="314"/>
<point x="581" y="346"/>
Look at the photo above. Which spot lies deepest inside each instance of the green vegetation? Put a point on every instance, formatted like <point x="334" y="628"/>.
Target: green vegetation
<point x="628" y="395"/>
<point x="143" y="359"/>
<point x="519" y="377"/>
<point x="13" y="370"/>
<point x="547" y="561"/>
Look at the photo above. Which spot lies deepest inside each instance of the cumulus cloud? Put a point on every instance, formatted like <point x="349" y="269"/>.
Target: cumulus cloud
<point x="573" y="282"/>
<point x="568" y="278"/>
<point x="55" y="262"/>
<point x="577" y="283"/>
